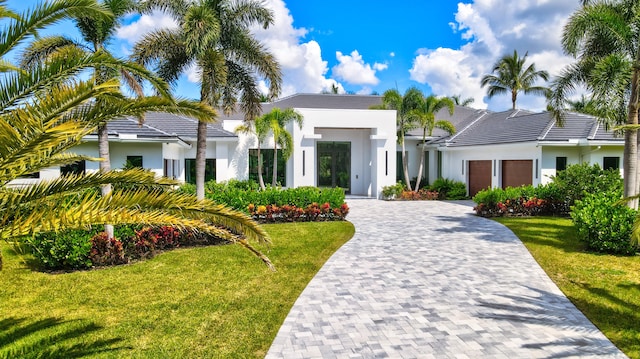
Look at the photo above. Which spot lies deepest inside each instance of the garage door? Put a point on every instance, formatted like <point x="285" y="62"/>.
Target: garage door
<point x="479" y="176"/>
<point x="516" y="173"/>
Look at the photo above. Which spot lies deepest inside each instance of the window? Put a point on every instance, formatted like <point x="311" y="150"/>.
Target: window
<point x="171" y="168"/>
<point x="190" y="170"/>
<point x="31" y="175"/>
<point x="561" y="164"/>
<point x="399" y="169"/>
<point x="77" y="168"/>
<point x="611" y="163"/>
<point x="133" y="162"/>
<point x="267" y="166"/>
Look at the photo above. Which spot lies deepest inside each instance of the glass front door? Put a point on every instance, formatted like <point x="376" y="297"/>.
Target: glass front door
<point x="334" y="165"/>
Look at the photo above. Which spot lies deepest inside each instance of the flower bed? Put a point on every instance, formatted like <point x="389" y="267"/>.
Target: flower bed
<point x="290" y="213"/>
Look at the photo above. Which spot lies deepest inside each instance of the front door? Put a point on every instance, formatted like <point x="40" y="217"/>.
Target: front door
<point x="334" y="165"/>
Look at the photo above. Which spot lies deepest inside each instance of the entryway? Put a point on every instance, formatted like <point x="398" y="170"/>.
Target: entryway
<point x="334" y="165"/>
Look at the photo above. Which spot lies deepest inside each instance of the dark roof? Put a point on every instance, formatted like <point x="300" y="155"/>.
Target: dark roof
<point x="183" y="126"/>
<point x="523" y="126"/>
<point x="131" y="126"/>
<point x="164" y="125"/>
<point x="461" y="118"/>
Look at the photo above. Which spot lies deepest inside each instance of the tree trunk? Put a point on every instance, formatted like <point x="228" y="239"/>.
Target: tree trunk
<point x="405" y="165"/>
<point x="419" y="178"/>
<point x="201" y="159"/>
<point x="260" y="179"/>
<point x="514" y="96"/>
<point x="630" y="166"/>
<point x="105" y="166"/>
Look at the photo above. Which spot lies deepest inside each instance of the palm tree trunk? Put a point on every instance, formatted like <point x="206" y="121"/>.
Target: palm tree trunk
<point x="201" y="159"/>
<point x="630" y="166"/>
<point x="424" y="140"/>
<point x="405" y="165"/>
<point x="105" y="166"/>
<point x="514" y="96"/>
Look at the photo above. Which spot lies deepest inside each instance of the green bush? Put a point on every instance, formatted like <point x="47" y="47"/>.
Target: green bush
<point x="603" y="224"/>
<point x="391" y="192"/>
<point x="577" y="180"/>
<point x="64" y="250"/>
<point x="449" y="189"/>
<point x="240" y="194"/>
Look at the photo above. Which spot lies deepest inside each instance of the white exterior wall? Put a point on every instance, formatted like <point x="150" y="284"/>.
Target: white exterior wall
<point x="372" y="137"/>
<point x="455" y="160"/>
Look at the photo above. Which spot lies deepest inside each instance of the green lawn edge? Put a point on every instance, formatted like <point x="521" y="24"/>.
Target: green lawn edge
<point x="606" y="288"/>
<point x="201" y="302"/>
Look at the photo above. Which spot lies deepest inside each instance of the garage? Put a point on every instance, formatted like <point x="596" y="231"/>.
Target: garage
<point x="517" y="173"/>
<point x="479" y="176"/>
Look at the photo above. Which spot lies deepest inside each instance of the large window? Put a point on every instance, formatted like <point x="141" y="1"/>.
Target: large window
<point x="267" y="166"/>
<point x="190" y="170"/>
<point x="611" y="163"/>
<point x="561" y="164"/>
<point x="77" y="168"/>
<point x="133" y="162"/>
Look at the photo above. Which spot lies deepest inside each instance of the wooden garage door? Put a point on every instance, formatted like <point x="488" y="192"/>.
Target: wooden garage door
<point x="479" y="176"/>
<point x="516" y="173"/>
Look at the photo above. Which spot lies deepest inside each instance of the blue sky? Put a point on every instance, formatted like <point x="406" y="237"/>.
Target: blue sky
<point x="442" y="47"/>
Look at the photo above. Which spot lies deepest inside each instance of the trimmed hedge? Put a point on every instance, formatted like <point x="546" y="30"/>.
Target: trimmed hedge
<point x="240" y="194"/>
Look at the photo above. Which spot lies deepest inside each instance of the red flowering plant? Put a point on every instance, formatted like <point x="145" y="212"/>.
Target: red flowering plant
<point x="289" y="213"/>
<point x="106" y="251"/>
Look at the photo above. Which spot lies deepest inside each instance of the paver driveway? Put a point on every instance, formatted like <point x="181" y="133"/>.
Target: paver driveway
<point x="430" y="280"/>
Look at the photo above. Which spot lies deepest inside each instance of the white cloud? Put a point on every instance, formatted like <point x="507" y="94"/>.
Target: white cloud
<point x="145" y="24"/>
<point x="352" y="69"/>
<point x="533" y="26"/>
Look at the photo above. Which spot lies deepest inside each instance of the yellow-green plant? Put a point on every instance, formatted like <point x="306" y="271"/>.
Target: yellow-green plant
<point x="46" y="111"/>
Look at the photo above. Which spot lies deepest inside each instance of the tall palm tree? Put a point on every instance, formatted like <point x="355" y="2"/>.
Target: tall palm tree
<point x="260" y="129"/>
<point x="215" y="36"/>
<point x="603" y="37"/>
<point x="424" y="117"/>
<point x="393" y="100"/>
<point x="96" y="32"/>
<point x="277" y="121"/>
<point x="511" y="75"/>
<point x="46" y="111"/>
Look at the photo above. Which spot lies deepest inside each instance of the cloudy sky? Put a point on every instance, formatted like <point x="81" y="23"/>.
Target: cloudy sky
<point x="441" y="47"/>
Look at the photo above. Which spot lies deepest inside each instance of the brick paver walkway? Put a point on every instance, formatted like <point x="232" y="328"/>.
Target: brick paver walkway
<point x="430" y="280"/>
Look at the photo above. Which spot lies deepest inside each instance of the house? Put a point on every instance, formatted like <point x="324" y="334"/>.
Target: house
<point x="345" y="143"/>
<point x="516" y="147"/>
<point x="342" y="143"/>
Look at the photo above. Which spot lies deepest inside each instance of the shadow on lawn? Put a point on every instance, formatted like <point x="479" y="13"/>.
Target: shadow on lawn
<point x="50" y="338"/>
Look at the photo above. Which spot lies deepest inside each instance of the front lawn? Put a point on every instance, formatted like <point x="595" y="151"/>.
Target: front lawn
<point x="202" y="302"/>
<point x="606" y="288"/>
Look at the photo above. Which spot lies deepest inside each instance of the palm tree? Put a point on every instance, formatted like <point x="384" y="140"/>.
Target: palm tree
<point x="260" y="129"/>
<point x="603" y="37"/>
<point x="213" y="34"/>
<point x="96" y="32"/>
<point x="276" y="121"/>
<point x="424" y="117"/>
<point x="511" y="75"/>
<point x="393" y="100"/>
<point x="46" y="111"/>
<point x="457" y="99"/>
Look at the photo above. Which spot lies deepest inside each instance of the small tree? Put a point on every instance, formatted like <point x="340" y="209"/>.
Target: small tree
<point x="424" y="117"/>
<point x="259" y="129"/>
<point x="276" y="121"/>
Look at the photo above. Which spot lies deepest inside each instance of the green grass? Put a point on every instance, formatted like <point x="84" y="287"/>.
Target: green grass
<point x="200" y="302"/>
<point x="606" y="288"/>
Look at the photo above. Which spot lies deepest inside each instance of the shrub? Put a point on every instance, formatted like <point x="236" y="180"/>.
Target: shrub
<point x="289" y="213"/>
<point x="63" y="250"/>
<point x="105" y="251"/>
<point x="391" y="192"/>
<point x="449" y="189"/>
<point x="577" y="180"/>
<point x="603" y="224"/>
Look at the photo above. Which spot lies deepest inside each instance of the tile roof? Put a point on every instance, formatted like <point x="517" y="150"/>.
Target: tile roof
<point x="165" y="125"/>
